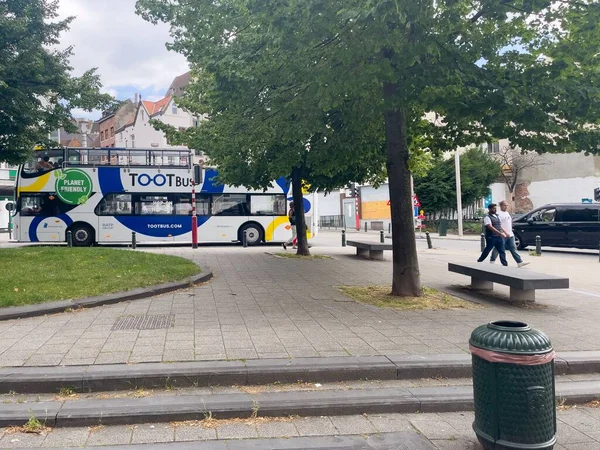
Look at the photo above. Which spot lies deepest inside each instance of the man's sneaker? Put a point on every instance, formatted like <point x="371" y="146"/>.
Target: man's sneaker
<point x="492" y="261"/>
<point x="284" y="246"/>
<point x="521" y="264"/>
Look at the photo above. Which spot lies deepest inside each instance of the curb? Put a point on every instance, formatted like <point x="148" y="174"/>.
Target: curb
<point x="80" y="413"/>
<point x="21" y="312"/>
<point x="112" y="377"/>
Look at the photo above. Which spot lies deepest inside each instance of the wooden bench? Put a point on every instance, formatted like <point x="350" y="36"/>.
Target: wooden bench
<point x="370" y="250"/>
<point x="522" y="282"/>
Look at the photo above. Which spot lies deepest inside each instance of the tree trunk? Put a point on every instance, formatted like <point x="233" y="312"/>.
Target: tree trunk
<point x="299" y="209"/>
<point x="406" y="280"/>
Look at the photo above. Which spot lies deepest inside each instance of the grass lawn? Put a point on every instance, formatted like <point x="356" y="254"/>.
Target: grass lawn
<point x="40" y="274"/>
<point x="380" y="296"/>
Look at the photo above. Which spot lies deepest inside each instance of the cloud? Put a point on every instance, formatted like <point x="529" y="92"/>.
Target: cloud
<point x="130" y="53"/>
<point x="83" y="114"/>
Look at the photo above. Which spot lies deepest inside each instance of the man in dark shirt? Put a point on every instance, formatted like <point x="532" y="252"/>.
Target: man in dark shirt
<point x="494" y="235"/>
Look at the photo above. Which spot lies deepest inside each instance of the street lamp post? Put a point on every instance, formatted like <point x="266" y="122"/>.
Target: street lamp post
<point x="194" y="218"/>
<point x="459" y="208"/>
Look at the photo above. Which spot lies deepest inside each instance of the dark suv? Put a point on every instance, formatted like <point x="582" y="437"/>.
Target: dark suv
<point x="574" y="225"/>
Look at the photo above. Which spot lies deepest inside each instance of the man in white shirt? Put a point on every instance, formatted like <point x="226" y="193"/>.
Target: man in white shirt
<point x="509" y="240"/>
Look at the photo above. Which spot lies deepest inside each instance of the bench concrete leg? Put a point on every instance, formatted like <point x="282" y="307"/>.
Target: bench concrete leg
<point x="481" y="285"/>
<point x="376" y="254"/>
<point x="362" y="252"/>
<point x="522" y="295"/>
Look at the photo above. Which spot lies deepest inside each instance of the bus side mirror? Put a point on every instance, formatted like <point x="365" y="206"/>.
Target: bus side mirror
<point x="10" y="206"/>
<point x="197" y="174"/>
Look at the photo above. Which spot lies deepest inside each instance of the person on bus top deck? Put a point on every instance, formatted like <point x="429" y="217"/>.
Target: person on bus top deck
<point x="44" y="164"/>
<point x="292" y="219"/>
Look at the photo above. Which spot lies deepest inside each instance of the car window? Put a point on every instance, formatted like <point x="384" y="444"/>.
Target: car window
<point x="544" y="215"/>
<point x="580" y="215"/>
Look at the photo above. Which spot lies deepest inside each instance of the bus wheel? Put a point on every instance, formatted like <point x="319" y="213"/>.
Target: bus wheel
<point x="254" y="233"/>
<point x="83" y="235"/>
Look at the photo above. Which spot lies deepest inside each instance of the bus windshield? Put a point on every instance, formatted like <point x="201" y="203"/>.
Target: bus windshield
<point x="43" y="161"/>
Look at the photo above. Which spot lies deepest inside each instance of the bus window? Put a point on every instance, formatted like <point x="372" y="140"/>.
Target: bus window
<point x="153" y="205"/>
<point x="119" y="157"/>
<point x="267" y="205"/>
<point x="138" y="158"/>
<point x="203" y="205"/>
<point x="31" y="205"/>
<point x="115" y="205"/>
<point x="42" y="205"/>
<point x="77" y="157"/>
<point x="183" y="204"/>
<point x="230" y="205"/>
<point x="42" y="162"/>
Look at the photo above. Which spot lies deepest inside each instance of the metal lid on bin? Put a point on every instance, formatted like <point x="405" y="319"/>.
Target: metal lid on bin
<point x="505" y="336"/>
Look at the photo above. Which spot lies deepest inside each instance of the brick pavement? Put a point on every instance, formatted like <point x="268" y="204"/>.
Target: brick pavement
<point x="578" y="429"/>
<point x="262" y="306"/>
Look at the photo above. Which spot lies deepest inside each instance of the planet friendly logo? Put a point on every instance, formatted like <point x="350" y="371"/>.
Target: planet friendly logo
<point x="73" y="186"/>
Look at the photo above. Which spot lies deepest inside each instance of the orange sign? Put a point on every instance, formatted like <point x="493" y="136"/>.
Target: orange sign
<point x="376" y="210"/>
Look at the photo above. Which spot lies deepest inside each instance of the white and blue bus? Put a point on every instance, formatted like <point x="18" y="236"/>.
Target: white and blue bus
<point x="103" y="195"/>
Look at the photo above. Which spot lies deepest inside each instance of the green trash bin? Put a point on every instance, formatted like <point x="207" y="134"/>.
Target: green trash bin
<point x="443" y="227"/>
<point x="513" y="387"/>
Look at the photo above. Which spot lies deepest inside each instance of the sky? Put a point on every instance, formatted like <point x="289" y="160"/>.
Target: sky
<point x="130" y="53"/>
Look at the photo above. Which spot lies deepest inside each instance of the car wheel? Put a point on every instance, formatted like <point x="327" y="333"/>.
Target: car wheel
<point x="83" y="235"/>
<point x="254" y="234"/>
<point x="519" y="243"/>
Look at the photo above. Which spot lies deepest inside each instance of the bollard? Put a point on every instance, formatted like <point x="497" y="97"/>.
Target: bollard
<point x="483" y="244"/>
<point x="133" y="240"/>
<point x="365" y="227"/>
<point x="343" y="238"/>
<point x="513" y="387"/>
<point x="429" y="244"/>
<point x="538" y="245"/>
<point x="245" y="238"/>
<point x="390" y="228"/>
<point x="381" y="238"/>
<point x="69" y="239"/>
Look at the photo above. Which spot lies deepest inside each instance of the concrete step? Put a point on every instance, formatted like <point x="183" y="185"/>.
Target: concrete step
<point x="61" y="412"/>
<point x="259" y="371"/>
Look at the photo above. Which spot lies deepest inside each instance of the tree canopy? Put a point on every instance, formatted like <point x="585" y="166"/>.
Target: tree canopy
<point x="37" y="90"/>
<point x="525" y="70"/>
<point x="436" y="189"/>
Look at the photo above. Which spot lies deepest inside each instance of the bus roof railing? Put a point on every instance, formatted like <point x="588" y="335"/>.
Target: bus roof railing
<point x="119" y="156"/>
<point x="147" y="149"/>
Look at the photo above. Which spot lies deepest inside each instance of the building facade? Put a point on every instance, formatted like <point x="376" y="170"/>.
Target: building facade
<point x="113" y="120"/>
<point x="139" y="133"/>
<point x="543" y="179"/>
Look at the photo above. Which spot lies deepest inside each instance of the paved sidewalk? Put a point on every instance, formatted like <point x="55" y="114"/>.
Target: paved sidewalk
<point x="263" y="306"/>
<point x="578" y="429"/>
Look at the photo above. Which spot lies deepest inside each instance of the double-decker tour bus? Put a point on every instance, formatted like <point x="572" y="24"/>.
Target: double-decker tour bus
<point x="103" y="195"/>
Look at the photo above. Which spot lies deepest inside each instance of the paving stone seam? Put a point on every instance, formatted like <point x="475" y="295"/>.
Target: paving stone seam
<point x="21" y="312"/>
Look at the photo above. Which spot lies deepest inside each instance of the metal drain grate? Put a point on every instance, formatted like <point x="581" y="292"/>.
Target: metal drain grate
<point x="144" y="322"/>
